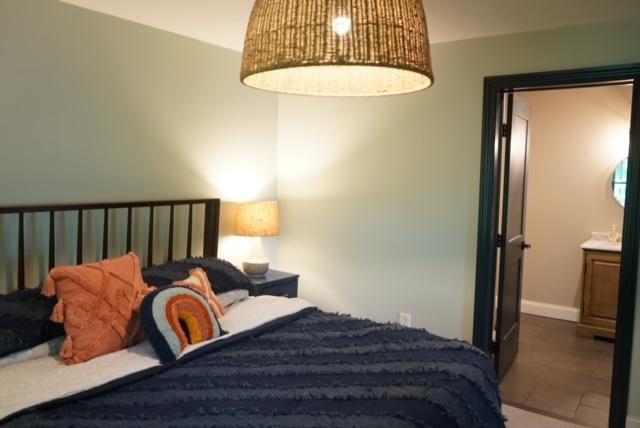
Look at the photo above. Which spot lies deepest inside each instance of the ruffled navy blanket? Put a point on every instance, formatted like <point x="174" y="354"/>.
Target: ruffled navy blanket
<point x="310" y="370"/>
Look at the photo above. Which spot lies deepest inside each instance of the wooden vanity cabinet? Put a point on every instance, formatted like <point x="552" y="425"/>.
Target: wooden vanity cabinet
<point x="601" y="277"/>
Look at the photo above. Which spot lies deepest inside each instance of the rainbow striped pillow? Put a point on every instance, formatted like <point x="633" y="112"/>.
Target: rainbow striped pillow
<point x="174" y="317"/>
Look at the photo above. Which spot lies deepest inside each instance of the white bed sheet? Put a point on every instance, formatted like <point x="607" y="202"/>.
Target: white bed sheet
<point x="37" y="381"/>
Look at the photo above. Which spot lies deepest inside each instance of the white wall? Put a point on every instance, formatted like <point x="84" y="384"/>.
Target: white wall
<point x="95" y="108"/>
<point x="578" y="136"/>
<point x="380" y="196"/>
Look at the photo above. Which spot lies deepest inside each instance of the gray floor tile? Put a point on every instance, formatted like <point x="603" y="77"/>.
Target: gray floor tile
<point x="598" y="401"/>
<point x="556" y="396"/>
<point x="559" y="373"/>
<point x="592" y="417"/>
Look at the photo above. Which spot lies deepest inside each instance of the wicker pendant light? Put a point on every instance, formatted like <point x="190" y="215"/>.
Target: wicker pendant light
<point x="337" y="47"/>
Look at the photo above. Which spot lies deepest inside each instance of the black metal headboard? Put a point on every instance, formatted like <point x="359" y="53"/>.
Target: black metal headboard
<point x="210" y="238"/>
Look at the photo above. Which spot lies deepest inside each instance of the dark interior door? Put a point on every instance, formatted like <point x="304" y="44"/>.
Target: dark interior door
<point x="512" y="240"/>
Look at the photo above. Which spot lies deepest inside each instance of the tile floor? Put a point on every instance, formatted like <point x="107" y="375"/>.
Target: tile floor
<point x="559" y="373"/>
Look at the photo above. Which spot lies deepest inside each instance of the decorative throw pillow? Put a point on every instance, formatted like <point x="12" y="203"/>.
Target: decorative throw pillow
<point x="223" y="275"/>
<point x="99" y="304"/>
<point x="24" y="321"/>
<point x="175" y="317"/>
<point x="199" y="282"/>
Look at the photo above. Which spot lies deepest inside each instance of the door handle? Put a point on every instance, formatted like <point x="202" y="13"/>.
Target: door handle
<point x="525" y="246"/>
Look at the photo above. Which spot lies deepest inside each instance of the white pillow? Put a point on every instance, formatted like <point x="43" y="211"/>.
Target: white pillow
<point x="45" y="349"/>
<point x="230" y="297"/>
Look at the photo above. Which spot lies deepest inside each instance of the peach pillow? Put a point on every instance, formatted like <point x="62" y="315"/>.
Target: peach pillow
<point x="99" y="304"/>
<point x="199" y="282"/>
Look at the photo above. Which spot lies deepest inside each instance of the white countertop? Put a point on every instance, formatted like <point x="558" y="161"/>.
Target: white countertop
<point x="599" y="242"/>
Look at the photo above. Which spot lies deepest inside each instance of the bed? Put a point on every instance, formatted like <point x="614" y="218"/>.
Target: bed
<point x="282" y="362"/>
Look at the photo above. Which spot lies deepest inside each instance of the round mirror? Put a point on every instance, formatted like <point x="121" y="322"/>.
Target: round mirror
<point x="619" y="182"/>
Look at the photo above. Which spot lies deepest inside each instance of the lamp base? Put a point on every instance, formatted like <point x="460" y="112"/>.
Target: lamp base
<point x="255" y="268"/>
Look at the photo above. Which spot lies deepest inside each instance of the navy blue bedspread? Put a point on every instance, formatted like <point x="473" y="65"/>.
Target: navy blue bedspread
<point x="313" y="370"/>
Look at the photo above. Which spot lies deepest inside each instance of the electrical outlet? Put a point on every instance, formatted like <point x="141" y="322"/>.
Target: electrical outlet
<point x="404" y="319"/>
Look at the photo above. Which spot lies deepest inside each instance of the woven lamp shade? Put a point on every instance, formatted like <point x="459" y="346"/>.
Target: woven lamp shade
<point x="337" y="47"/>
<point x="257" y="219"/>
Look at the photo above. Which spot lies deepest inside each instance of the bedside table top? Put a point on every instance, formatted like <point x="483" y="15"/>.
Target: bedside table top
<point x="273" y="277"/>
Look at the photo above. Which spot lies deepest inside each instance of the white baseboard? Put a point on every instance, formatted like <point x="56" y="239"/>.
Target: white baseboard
<point x="632" y="422"/>
<point x="549" y="310"/>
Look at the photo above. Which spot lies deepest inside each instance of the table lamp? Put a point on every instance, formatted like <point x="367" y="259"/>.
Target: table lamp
<point x="257" y="219"/>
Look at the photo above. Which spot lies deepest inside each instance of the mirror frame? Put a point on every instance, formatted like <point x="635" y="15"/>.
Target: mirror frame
<point x="615" y="183"/>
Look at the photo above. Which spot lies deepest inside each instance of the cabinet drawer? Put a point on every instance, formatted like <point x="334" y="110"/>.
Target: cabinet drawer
<point x="289" y="289"/>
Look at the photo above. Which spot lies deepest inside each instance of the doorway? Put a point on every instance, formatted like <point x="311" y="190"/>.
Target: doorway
<point x="572" y="143"/>
<point x="502" y="245"/>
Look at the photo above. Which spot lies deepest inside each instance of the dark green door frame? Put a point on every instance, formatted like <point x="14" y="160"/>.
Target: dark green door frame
<point x="494" y="88"/>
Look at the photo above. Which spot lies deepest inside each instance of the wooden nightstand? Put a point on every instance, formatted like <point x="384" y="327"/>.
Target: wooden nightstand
<point x="276" y="283"/>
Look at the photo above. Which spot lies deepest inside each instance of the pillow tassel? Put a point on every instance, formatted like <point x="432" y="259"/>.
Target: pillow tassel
<point x="58" y="312"/>
<point x="66" y="352"/>
<point x="49" y="287"/>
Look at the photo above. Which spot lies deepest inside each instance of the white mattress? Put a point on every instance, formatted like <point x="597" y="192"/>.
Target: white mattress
<point x="28" y="383"/>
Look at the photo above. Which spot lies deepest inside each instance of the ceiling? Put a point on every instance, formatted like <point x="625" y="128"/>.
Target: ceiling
<point x="223" y="22"/>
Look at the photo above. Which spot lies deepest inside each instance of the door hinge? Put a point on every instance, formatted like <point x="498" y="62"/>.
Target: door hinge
<point x="494" y="346"/>
<point x="500" y="242"/>
<point x="505" y="130"/>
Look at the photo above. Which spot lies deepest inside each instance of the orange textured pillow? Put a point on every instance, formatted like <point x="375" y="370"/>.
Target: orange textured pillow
<point x="199" y="282"/>
<point x="99" y="304"/>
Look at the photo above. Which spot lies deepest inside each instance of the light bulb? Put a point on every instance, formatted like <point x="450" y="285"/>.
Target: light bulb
<point x="341" y="25"/>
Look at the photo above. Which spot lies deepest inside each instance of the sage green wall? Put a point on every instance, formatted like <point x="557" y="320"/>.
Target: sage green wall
<point x="380" y="196"/>
<point x="95" y="108"/>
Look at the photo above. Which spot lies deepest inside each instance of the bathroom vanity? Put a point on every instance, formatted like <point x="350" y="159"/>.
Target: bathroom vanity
<point x="600" y="283"/>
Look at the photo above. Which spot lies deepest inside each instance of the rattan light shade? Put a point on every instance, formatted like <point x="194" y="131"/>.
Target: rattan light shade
<point x="257" y="219"/>
<point x="337" y="47"/>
